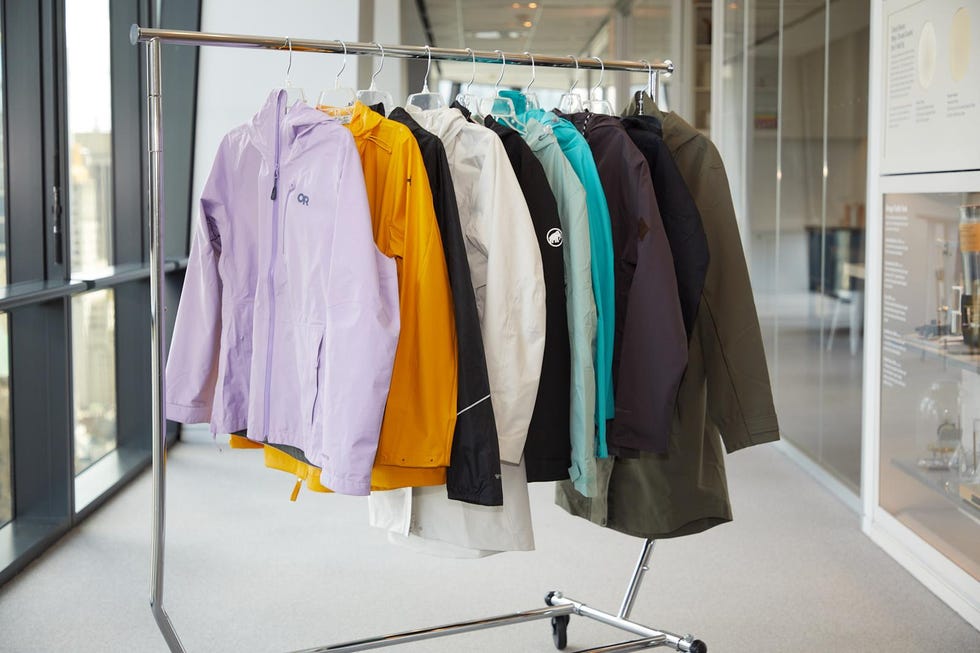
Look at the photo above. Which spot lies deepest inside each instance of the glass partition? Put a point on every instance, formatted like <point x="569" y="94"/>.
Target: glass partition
<point x="794" y="87"/>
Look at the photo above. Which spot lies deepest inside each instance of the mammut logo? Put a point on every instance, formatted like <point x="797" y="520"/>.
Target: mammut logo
<point x="555" y="237"/>
<point x="303" y="199"/>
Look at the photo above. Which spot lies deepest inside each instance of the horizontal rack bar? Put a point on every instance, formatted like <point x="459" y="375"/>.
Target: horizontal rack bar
<point x="139" y="34"/>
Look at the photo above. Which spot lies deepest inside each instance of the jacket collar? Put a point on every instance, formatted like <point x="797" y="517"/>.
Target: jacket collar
<point x="539" y="135"/>
<point x="363" y="120"/>
<point x="292" y="125"/>
<point x="447" y="122"/>
<point x="673" y="127"/>
<point x="587" y="122"/>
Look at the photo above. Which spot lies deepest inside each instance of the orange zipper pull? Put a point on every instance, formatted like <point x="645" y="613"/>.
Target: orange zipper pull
<point x="296" y="488"/>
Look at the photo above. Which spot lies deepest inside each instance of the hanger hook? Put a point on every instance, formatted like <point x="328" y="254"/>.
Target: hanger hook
<point x="428" y="67"/>
<point x="343" y="67"/>
<point x="289" y="66"/>
<point x="473" y="75"/>
<point x="649" y="77"/>
<point x="503" y="65"/>
<point x="602" y="73"/>
<point x="380" y="65"/>
<point x="534" y="73"/>
<point x="574" y="83"/>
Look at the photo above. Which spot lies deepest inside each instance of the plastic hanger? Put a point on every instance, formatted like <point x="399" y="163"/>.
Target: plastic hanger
<point x="501" y="107"/>
<point x="339" y="98"/>
<point x="371" y="95"/>
<point x="292" y="92"/>
<point x="467" y="99"/>
<point x="530" y="98"/>
<point x="425" y="99"/>
<point x="599" y="106"/>
<point x="571" y="102"/>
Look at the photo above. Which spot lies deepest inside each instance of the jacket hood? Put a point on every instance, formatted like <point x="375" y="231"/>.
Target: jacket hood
<point x="586" y="121"/>
<point x="293" y="123"/>
<point x="671" y="124"/>
<point x="448" y="122"/>
<point x="645" y="124"/>
<point x="518" y="98"/>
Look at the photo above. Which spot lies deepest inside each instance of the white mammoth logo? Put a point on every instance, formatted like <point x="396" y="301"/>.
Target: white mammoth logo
<point x="555" y="238"/>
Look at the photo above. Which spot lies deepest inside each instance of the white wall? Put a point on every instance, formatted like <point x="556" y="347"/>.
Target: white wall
<point x="233" y="83"/>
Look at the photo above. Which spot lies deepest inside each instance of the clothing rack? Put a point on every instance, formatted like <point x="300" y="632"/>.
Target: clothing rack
<point x="559" y="608"/>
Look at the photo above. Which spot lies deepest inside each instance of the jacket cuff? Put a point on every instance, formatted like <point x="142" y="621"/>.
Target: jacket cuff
<point x="188" y="414"/>
<point x="511" y="451"/>
<point x="758" y="430"/>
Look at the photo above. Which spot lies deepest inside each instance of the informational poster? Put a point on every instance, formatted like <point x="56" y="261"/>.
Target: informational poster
<point x="932" y="86"/>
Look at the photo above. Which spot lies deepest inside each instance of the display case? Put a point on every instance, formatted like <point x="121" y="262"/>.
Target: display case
<point x="930" y="370"/>
<point x="920" y="485"/>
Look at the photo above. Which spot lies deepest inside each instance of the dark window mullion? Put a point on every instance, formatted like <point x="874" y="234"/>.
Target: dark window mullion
<point x="26" y="188"/>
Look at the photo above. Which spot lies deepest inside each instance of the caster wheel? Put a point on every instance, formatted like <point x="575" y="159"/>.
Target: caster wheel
<point x="559" y="631"/>
<point x="697" y="646"/>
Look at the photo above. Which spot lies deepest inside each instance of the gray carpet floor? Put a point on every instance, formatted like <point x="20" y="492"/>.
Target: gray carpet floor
<point x="250" y="571"/>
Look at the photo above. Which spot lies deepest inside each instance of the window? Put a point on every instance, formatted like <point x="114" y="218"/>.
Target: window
<point x="89" y="134"/>
<point x="74" y="279"/>
<point x="93" y="326"/>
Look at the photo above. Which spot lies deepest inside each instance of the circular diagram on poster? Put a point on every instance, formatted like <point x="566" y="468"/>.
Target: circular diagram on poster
<point x="927" y="55"/>
<point x="959" y="44"/>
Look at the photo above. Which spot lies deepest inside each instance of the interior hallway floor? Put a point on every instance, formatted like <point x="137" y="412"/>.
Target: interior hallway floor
<point x="249" y="571"/>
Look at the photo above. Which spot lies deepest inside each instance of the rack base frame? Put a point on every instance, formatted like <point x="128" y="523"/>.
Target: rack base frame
<point x="559" y="608"/>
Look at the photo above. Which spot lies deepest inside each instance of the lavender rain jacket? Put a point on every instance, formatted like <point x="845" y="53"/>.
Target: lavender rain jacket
<point x="288" y="320"/>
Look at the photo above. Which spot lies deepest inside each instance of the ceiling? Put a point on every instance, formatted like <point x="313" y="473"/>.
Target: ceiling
<point x="555" y="27"/>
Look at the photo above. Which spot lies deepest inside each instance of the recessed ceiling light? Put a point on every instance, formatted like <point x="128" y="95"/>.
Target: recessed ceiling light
<point x="532" y="5"/>
<point x="516" y="5"/>
<point x="487" y="34"/>
<point x="527" y="23"/>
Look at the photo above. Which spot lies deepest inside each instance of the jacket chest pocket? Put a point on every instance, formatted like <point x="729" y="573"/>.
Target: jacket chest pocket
<point x="310" y="361"/>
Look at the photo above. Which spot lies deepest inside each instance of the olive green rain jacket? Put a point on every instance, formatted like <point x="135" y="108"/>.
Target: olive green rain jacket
<point x="725" y="398"/>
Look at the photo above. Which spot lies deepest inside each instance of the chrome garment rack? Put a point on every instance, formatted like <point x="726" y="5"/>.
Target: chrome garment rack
<point x="559" y="608"/>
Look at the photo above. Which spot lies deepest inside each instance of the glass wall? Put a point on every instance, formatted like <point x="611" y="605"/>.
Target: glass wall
<point x="90" y="216"/>
<point x="74" y="283"/>
<point x="89" y="133"/>
<point x="794" y="111"/>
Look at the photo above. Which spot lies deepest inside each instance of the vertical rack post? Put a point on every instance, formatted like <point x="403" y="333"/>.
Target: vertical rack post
<point x="158" y="339"/>
<point x="641" y="568"/>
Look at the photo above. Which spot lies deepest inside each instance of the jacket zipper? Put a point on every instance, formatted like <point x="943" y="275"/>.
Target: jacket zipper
<point x="274" y="196"/>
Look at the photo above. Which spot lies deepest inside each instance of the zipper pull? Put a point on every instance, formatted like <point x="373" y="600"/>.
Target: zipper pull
<point x="275" y="183"/>
<point x="296" y="488"/>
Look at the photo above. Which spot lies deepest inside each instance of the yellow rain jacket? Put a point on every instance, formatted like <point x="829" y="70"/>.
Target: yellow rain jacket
<point x="420" y="415"/>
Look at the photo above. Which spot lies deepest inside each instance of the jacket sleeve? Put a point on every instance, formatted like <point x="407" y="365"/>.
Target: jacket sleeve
<point x="362" y="325"/>
<point x="192" y="366"/>
<point x="514" y="310"/>
<point x="739" y="393"/>
<point x="654" y="343"/>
